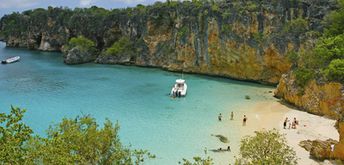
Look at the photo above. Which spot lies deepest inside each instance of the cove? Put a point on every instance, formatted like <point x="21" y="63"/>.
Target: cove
<point x="135" y="97"/>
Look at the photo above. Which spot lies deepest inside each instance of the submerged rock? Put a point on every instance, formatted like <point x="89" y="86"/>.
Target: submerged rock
<point x="222" y="138"/>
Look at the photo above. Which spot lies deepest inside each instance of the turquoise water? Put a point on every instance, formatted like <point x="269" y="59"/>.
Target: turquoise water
<point x="136" y="97"/>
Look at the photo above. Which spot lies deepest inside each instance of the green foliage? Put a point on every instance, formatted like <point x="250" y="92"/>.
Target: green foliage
<point x="198" y="161"/>
<point x="226" y="15"/>
<point x="303" y="76"/>
<point x="259" y="37"/>
<point x="330" y="48"/>
<point x="73" y="141"/>
<point x="334" y="22"/>
<point x="215" y="7"/>
<point x="81" y="141"/>
<point x="226" y="28"/>
<point x="183" y="32"/>
<point x="13" y="137"/>
<point x="326" y="60"/>
<point x="82" y="42"/>
<point x="123" y="45"/>
<point x="251" y="6"/>
<point x="335" y="71"/>
<point x="293" y="57"/>
<point x="266" y="147"/>
<point x="296" y="26"/>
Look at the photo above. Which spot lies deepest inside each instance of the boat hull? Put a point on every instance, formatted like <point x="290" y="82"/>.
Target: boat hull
<point x="179" y="92"/>
<point x="11" y="60"/>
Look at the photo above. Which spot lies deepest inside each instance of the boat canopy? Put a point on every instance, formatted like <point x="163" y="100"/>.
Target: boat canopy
<point x="180" y="81"/>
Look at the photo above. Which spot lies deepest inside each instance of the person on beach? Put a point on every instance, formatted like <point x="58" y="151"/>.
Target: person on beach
<point x="295" y="122"/>
<point x="285" y="123"/>
<point x="220" y="117"/>
<point x="244" y="120"/>
<point x="229" y="148"/>
<point x="232" y="115"/>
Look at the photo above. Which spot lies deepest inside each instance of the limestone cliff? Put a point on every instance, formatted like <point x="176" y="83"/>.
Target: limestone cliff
<point x="326" y="99"/>
<point x="245" y="40"/>
<point x="339" y="148"/>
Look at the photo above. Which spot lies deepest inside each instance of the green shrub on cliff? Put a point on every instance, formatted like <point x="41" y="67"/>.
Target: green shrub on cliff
<point x="325" y="61"/>
<point x="82" y="43"/>
<point x="335" y="21"/>
<point x="335" y="70"/>
<point x="183" y="32"/>
<point x="330" y="48"/>
<point x="296" y="26"/>
<point x="293" y="57"/>
<point x="122" y="46"/>
<point x="303" y="76"/>
<point x="73" y="141"/>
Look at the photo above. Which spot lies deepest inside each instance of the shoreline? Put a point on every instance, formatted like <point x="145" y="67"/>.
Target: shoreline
<point x="271" y="114"/>
<point x="164" y="68"/>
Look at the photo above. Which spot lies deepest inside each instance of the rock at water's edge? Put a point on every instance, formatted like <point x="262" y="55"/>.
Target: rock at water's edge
<point x="78" y="56"/>
<point x="319" y="149"/>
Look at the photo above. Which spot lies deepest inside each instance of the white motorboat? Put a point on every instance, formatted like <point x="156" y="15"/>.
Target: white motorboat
<point x="11" y="60"/>
<point x="179" y="89"/>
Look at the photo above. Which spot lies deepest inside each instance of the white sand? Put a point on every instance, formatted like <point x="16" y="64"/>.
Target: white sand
<point x="271" y="114"/>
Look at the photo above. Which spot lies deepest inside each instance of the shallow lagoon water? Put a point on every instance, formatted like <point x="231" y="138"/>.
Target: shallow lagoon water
<point x="136" y="97"/>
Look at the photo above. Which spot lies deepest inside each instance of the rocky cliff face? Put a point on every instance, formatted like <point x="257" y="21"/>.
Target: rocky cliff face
<point x="243" y="40"/>
<point x="325" y="99"/>
<point x="339" y="148"/>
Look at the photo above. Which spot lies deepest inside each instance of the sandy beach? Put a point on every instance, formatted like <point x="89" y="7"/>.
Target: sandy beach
<point x="268" y="115"/>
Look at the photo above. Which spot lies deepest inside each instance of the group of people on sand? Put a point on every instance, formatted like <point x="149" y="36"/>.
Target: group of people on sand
<point x="223" y="149"/>
<point x="288" y="124"/>
<point x="244" y="120"/>
<point x="218" y="150"/>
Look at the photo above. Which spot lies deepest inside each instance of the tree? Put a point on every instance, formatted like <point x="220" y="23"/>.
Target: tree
<point x="73" y="141"/>
<point x="335" y="70"/>
<point x="81" y="42"/>
<point x="198" y="161"/>
<point x="122" y="46"/>
<point x="303" y="76"/>
<point x="334" y="22"/>
<point x="13" y="137"/>
<point x="330" y="48"/>
<point x="266" y="147"/>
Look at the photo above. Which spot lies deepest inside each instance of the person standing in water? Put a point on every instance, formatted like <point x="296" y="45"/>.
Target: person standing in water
<point x="244" y="120"/>
<point x="220" y="117"/>
<point x="232" y="115"/>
